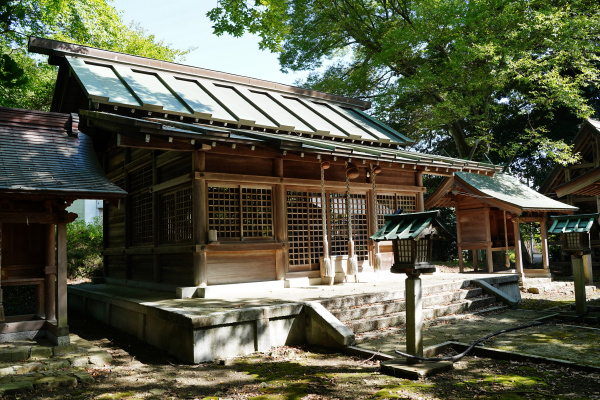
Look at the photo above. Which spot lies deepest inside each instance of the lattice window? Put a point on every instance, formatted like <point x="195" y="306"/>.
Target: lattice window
<point x="223" y="211"/>
<point x="140" y="215"/>
<point x="408" y="203"/>
<point x="141" y="218"/>
<point x="257" y="213"/>
<point x="390" y="203"/>
<point x="140" y="179"/>
<point x="358" y="206"/>
<point x="386" y="204"/>
<point x="236" y="212"/>
<point x="305" y="229"/>
<point x="338" y="225"/>
<point x="176" y="215"/>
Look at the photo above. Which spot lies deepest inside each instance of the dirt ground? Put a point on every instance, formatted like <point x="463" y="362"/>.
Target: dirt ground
<point x="142" y="372"/>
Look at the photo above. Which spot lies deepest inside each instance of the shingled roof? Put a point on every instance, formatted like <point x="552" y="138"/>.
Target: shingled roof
<point x="44" y="153"/>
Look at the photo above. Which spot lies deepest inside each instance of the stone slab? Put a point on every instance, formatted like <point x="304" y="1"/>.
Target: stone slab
<point x="53" y="382"/>
<point x="15" y="387"/>
<point x="14" y="354"/>
<point x="401" y="369"/>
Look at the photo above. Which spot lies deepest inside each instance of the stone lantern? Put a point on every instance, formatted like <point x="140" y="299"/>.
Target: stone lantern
<point x="575" y="232"/>
<point x="412" y="240"/>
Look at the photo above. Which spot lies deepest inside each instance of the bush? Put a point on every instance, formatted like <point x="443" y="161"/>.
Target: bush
<point x="84" y="249"/>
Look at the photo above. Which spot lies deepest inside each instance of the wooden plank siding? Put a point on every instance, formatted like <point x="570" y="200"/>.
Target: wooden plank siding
<point x="154" y="255"/>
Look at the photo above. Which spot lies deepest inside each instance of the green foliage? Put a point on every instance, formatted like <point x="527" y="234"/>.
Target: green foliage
<point x="27" y="82"/>
<point x="497" y="71"/>
<point x="84" y="249"/>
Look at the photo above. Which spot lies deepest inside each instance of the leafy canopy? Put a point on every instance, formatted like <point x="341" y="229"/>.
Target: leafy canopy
<point x="28" y="82"/>
<point x="496" y="71"/>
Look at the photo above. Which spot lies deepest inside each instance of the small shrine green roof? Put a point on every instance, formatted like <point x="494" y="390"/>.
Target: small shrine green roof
<point x="581" y="223"/>
<point x="508" y="189"/>
<point x="410" y="226"/>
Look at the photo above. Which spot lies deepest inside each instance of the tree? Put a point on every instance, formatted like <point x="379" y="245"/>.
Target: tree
<point x="26" y="81"/>
<point x="493" y="71"/>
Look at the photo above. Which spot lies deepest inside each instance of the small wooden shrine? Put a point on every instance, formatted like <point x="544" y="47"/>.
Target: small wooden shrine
<point x="45" y="164"/>
<point x="579" y="184"/>
<point x="225" y="174"/>
<point x="489" y="211"/>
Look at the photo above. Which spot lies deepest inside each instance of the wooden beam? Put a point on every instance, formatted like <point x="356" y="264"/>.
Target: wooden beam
<point x="271" y="180"/>
<point x="172" y="183"/>
<point x="200" y="222"/>
<point x="160" y="143"/>
<point x="420" y="197"/>
<point x="439" y="193"/>
<point x="579" y="183"/>
<point x="24" y="217"/>
<point x="544" y="234"/>
<point x="50" y="280"/>
<point x="518" y="255"/>
<point x="62" y="321"/>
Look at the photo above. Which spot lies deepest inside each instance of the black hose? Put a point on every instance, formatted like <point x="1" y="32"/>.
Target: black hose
<point x="475" y="343"/>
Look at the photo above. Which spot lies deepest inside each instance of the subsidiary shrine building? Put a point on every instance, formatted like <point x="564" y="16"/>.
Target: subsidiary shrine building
<point x="225" y="174"/>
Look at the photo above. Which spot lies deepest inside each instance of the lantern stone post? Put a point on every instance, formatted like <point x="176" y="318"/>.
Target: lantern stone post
<point x="412" y="243"/>
<point x="575" y="232"/>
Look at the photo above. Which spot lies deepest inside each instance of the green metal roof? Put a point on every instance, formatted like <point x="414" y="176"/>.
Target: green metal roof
<point x="508" y="189"/>
<point x="410" y="226"/>
<point x="581" y="223"/>
<point x="121" y="80"/>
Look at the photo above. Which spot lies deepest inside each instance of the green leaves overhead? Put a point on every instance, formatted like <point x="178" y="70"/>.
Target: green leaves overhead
<point x="440" y="68"/>
<point x="24" y="83"/>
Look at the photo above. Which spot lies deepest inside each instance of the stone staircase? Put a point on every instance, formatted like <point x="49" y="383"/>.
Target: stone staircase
<point x="365" y="313"/>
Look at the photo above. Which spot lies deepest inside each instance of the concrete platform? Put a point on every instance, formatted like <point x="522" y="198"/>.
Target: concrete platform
<point x="236" y="321"/>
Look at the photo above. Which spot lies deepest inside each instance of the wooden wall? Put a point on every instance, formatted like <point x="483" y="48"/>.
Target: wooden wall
<point x="151" y="253"/>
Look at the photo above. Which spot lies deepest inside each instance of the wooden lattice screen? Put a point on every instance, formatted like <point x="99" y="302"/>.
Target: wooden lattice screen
<point x="338" y="225"/>
<point x="140" y="215"/>
<point x="223" y="211"/>
<point x="305" y="229"/>
<point x="237" y="213"/>
<point x="390" y="203"/>
<point x="176" y="223"/>
<point x="358" y="204"/>
<point x="257" y="213"/>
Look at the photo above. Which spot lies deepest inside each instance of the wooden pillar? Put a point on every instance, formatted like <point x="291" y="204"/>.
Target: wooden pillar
<point x="200" y="213"/>
<point x="420" y="195"/>
<point x="488" y="239"/>
<point x="518" y="255"/>
<point x="461" y="264"/>
<point x="155" y="222"/>
<point x="281" y="231"/>
<point x="50" y="281"/>
<point x="474" y="260"/>
<point x="545" y="258"/>
<point x="61" y="287"/>
<point x="127" y="216"/>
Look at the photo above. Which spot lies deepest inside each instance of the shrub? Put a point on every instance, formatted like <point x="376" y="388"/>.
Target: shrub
<point x="84" y="249"/>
